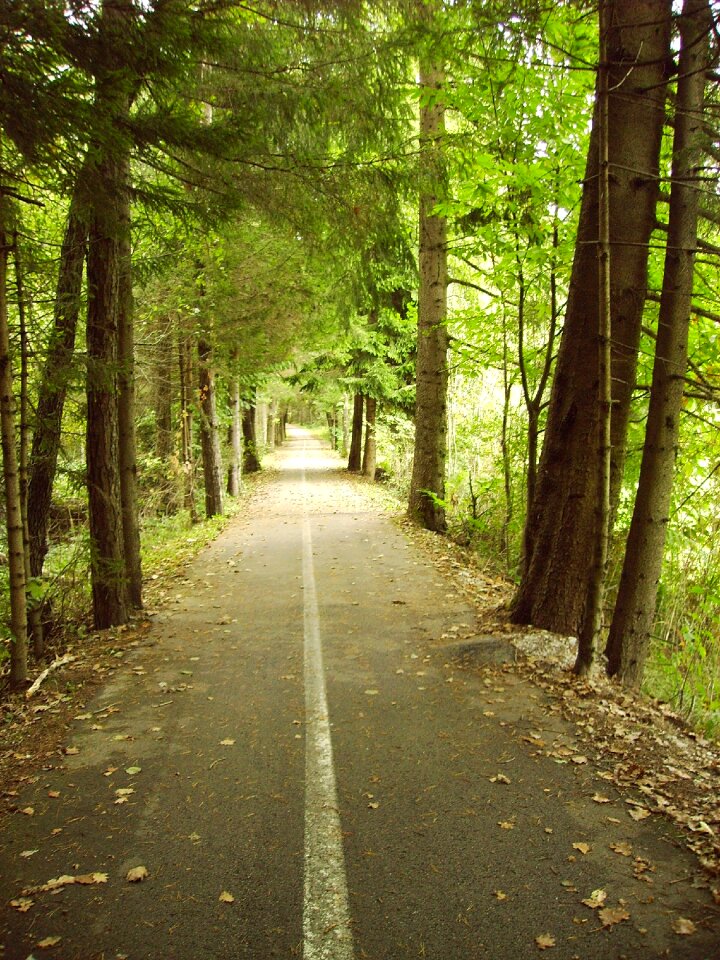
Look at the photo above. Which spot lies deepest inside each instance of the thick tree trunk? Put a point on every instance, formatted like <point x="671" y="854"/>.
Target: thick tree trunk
<point x="102" y="429"/>
<point x="427" y="485"/>
<point x="562" y="520"/>
<point x="629" y="637"/>
<point x="234" y="467"/>
<point x="127" y="449"/>
<point x="185" y="358"/>
<point x="209" y="432"/>
<point x="251" y="460"/>
<point x="355" y="455"/>
<point x="591" y="625"/>
<point x="56" y="374"/>
<point x="13" y="510"/>
<point x="369" y="462"/>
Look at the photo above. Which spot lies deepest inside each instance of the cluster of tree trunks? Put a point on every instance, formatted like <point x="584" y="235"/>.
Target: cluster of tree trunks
<point x="362" y="456"/>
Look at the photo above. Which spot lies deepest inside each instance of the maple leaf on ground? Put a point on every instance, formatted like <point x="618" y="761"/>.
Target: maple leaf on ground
<point x="624" y="849"/>
<point x="596" y="899"/>
<point x="582" y="847"/>
<point x="613" y="915"/>
<point x="684" y="927"/>
<point x="545" y="941"/>
<point x="226" y="897"/>
<point x="137" y="874"/>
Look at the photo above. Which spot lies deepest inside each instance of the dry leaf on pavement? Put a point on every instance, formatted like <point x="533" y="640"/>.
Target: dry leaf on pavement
<point x="683" y="926"/>
<point x="545" y="941"/>
<point x="137" y="874"/>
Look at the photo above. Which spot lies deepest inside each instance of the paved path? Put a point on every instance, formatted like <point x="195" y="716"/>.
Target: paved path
<point x="304" y="772"/>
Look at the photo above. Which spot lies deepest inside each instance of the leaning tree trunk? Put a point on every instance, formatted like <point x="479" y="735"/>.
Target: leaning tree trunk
<point x="126" y="406"/>
<point x="427" y="485"/>
<point x="56" y="374"/>
<point x="562" y="518"/>
<point x="369" y="463"/>
<point x="631" y="627"/>
<point x="251" y="460"/>
<point x="355" y="455"/>
<point x="209" y="432"/>
<point x="13" y="511"/>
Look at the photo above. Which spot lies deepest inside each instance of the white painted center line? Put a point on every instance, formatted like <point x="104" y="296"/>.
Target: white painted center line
<point x="326" y="919"/>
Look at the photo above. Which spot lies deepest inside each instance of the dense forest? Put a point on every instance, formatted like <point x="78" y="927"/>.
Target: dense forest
<point x="477" y="240"/>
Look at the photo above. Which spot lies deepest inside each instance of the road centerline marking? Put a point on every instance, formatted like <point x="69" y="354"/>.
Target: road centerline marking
<point x="327" y="934"/>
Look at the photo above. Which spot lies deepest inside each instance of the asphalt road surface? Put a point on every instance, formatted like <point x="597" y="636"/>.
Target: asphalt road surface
<point x="302" y="770"/>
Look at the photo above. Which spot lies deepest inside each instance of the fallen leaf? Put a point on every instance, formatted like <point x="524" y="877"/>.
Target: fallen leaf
<point x="639" y="813"/>
<point x="624" y="849"/>
<point x="599" y="798"/>
<point x="596" y="899"/>
<point x="71" y="751"/>
<point x="28" y="811"/>
<point x="612" y="915"/>
<point x="53" y="794"/>
<point x="374" y="805"/>
<point x="579" y="759"/>
<point x="506" y="825"/>
<point x="226" y="897"/>
<point x="28" y="853"/>
<point x="22" y="904"/>
<point x="684" y="927"/>
<point x="371" y="693"/>
<point x="227" y="743"/>
<point x="131" y="771"/>
<point x="124" y="791"/>
<point x="137" y="874"/>
<point x="582" y="847"/>
<point x="499" y="895"/>
<point x="500" y="778"/>
<point x="545" y="941"/>
<point x="86" y="879"/>
<point x="48" y="943"/>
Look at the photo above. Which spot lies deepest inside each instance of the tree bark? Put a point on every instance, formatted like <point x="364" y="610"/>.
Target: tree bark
<point x="13" y="510"/>
<point x="369" y="463"/>
<point x="632" y="622"/>
<point x="234" y="467"/>
<point x="34" y="605"/>
<point x="272" y="425"/>
<point x="562" y="520"/>
<point x="56" y="374"/>
<point x="427" y="485"/>
<point x="185" y="351"/>
<point x="251" y="460"/>
<point x="591" y="624"/>
<point x="355" y="455"/>
<point x="127" y="449"/>
<point x="163" y="392"/>
<point x="209" y="432"/>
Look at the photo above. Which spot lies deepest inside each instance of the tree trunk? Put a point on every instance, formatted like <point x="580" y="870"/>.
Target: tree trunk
<point x="56" y="374"/>
<point x="562" y="520"/>
<point x="34" y="605"/>
<point x="629" y="637"/>
<point x="127" y="449"/>
<point x="427" y="485"/>
<point x="233" y="487"/>
<point x="272" y="425"/>
<point x="186" y="426"/>
<point x="13" y="511"/>
<point x="209" y="434"/>
<point x="261" y="415"/>
<point x="369" y="462"/>
<point x="591" y="624"/>
<point x="355" y="455"/>
<point x="163" y="394"/>
<point x="251" y="461"/>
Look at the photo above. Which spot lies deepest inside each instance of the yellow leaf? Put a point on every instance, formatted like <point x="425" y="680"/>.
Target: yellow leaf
<point x="227" y="743"/>
<point x="88" y="878"/>
<point x="28" y="811"/>
<point x="624" y="849"/>
<point x="22" y="904"/>
<point x="137" y="874"/>
<point x="226" y="897"/>
<point x="599" y="798"/>
<point x="506" y="825"/>
<point x="639" y="813"/>
<point x="500" y="895"/>
<point x="596" y="899"/>
<point x="684" y="927"/>
<point x="48" y="942"/>
<point x="582" y="847"/>
<point x="545" y="941"/>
